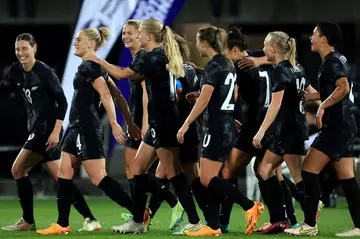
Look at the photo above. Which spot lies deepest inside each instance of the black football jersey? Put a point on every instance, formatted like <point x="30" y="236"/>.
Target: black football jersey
<point x="254" y="91"/>
<point x="218" y="116"/>
<point x="85" y="103"/>
<point x="338" y="116"/>
<point x="42" y="92"/>
<point x="160" y="87"/>
<point x="136" y="94"/>
<point x="291" y="117"/>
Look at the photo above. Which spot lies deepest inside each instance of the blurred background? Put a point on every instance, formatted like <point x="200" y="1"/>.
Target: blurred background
<point x="54" y="23"/>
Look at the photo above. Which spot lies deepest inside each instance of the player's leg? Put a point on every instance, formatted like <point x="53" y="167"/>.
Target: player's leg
<point x="169" y="158"/>
<point x="345" y="173"/>
<point x="79" y="202"/>
<point x="238" y="160"/>
<point x="129" y="155"/>
<point x="24" y="161"/>
<point x="314" y="162"/>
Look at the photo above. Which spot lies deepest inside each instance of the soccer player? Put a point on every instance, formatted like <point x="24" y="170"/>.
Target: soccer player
<point x="216" y="102"/>
<point x="160" y="66"/>
<point x="84" y="140"/>
<point x="337" y="131"/>
<point x="46" y="107"/>
<point x="138" y="103"/>
<point x="284" y="124"/>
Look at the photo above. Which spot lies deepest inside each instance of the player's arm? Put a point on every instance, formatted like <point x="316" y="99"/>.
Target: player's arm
<point x="311" y="94"/>
<point x="201" y="103"/>
<point x="145" y="118"/>
<point x="272" y="111"/>
<point x="236" y="92"/>
<point x="123" y="106"/>
<point x="101" y="87"/>
<point x="57" y="93"/>
<point x="341" y="90"/>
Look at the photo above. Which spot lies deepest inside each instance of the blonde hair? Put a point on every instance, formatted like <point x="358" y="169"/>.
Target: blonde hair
<point x="98" y="35"/>
<point x="215" y="37"/>
<point x="285" y="44"/>
<point x="164" y="35"/>
<point x="133" y="22"/>
<point x="184" y="47"/>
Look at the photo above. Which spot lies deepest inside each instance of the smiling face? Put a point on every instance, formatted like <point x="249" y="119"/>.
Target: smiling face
<point x="316" y="40"/>
<point x="130" y="36"/>
<point x="269" y="51"/>
<point x="24" y="52"/>
<point x="144" y="37"/>
<point x="82" y="44"/>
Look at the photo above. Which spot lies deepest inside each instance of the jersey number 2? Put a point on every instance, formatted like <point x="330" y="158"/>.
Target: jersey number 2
<point x="300" y="85"/>
<point x="230" y="80"/>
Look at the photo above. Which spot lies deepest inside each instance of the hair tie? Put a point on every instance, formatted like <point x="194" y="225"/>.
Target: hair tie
<point x="163" y="28"/>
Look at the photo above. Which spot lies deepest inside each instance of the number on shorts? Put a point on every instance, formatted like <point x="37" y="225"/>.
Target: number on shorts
<point x="78" y="142"/>
<point x="300" y="85"/>
<point x="230" y="79"/>
<point x="267" y="78"/>
<point x="351" y="95"/>
<point x="27" y="93"/>
<point x="206" y="141"/>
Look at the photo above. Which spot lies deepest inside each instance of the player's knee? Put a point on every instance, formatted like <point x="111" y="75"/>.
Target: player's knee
<point x="96" y="179"/>
<point x="205" y="179"/>
<point x="265" y="171"/>
<point x="343" y="174"/>
<point x="18" y="172"/>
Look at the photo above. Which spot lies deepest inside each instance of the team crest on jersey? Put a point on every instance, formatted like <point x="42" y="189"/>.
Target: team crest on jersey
<point x="31" y="136"/>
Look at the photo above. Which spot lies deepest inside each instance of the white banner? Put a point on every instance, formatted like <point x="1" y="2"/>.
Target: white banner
<point x="96" y="13"/>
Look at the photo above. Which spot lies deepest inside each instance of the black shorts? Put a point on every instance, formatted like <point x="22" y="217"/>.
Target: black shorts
<point x="189" y="150"/>
<point x="85" y="143"/>
<point x="288" y="145"/>
<point x="161" y="137"/>
<point x="245" y="138"/>
<point x="132" y="143"/>
<point x="36" y="142"/>
<point x="335" y="144"/>
<point x="217" y="147"/>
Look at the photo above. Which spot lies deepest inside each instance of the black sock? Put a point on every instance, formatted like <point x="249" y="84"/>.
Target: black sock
<point x="64" y="198"/>
<point x="221" y="188"/>
<point x="201" y="195"/>
<point x="352" y="194"/>
<point x="213" y="213"/>
<point x="80" y="204"/>
<point x="227" y="205"/>
<point x="25" y="193"/>
<point x="183" y="191"/>
<point x="276" y="201"/>
<point x="266" y="194"/>
<point x="140" y="189"/>
<point x="297" y="190"/>
<point x="115" y="192"/>
<point x="290" y="212"/>
<point x="131" y="182"/>
<point x="169" y="196"/>
<point x="312" y="197"/>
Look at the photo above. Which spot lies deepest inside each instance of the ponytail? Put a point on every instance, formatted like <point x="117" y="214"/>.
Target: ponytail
<point x="171" y="49"/>
<point x="292" y="51"/>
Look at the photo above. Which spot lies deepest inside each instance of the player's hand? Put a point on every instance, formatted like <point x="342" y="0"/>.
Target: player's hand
<point x="118" y="133"/>
<point x="257" y="139"/>
<point x="303" y="95"/>
<point x="181" y="133"/>
<point x="53" y="140"/>
<point x="144" y="129"/>
<point x="319" y="115"/>
<point x="134" y="131"/>
<point x="248" y="63"/>
<point x="238" y="125"/>
<point x="93" y="58"/>
<point x="195" y="66"/>
<point x="192" y="96"/>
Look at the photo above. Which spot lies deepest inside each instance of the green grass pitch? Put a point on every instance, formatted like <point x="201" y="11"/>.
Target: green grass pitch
<point x="331" y="220"/>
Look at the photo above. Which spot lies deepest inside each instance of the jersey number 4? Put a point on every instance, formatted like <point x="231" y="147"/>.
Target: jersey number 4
<point x="230" y="80"/>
